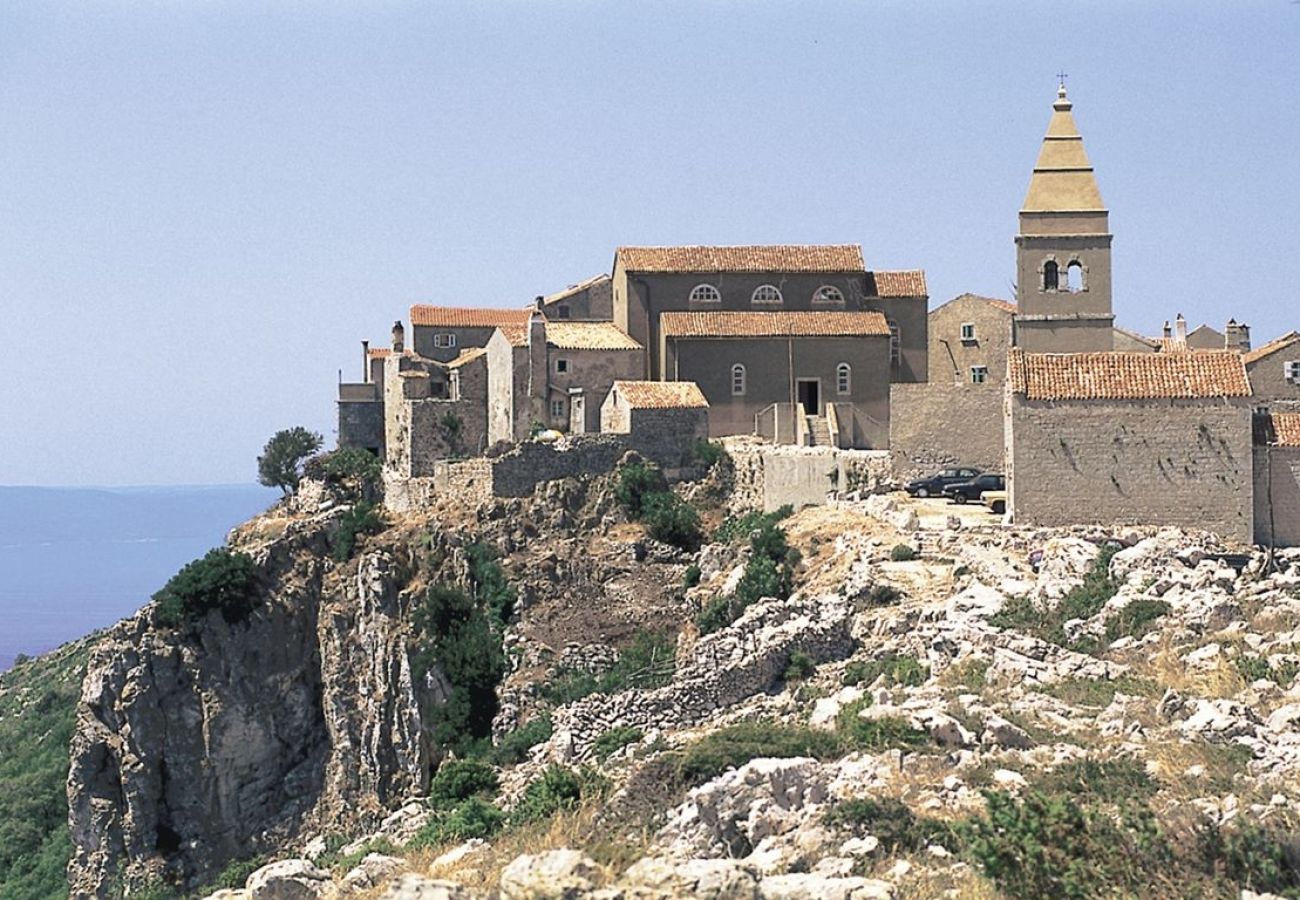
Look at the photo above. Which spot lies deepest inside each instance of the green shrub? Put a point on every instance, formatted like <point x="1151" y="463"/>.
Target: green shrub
<point x="280" y="464"/>
<point x="1255" y="668"/>
<point x="489" y="583"/>
<point x="1110" y="781"/>
<point x="471" y="818"/>
<point x="615" y="739"/>
<point x="875" y="734"/>
<point x="1262" y="858"/>
<point x="893" y="824"/>
<point x="769" y="571"/>
<point x="459" y="780"/>
<point x="691" y="577"/>
<point x="647" y="662"/>
<point x="708" y="453"/>
<point x="1135" y="619"/>
<point x="235" y="873"/>
<point x="362" y="518"/>
<point x="558" y="789"/>
<point x="1098" y="692"/>
<point x="346" y="465"/>
<point x="636" y="481"/>
<point x="903" y="553"/>
<point x="1055" y="845"/>
<point x="715" y="614"/>
<point x="735" y="745"/>
<point x="222" y="580"/>
<point x="514" y="746"/>
<point x="737" y="528"/>
<point x="898" y="670"/>
<point x="346" y="863"/>
<point x="799" y="667"/>
<point x="672" y="520"/>
<point x="1083" y="602"/>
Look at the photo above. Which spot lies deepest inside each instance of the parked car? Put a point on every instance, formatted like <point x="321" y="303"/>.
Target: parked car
<point x="996" y="501"/>
<point x="934" y="485"/>
<point x="969" y="491"/>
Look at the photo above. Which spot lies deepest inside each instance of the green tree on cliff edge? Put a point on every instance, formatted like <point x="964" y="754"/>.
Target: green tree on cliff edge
<point x="280" y="464"/>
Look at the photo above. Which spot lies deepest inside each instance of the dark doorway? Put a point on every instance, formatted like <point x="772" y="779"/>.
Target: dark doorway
<point x="808" y="392"/>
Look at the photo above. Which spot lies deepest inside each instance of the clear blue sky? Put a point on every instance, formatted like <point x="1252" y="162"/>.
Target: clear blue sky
<point x="205" y="206"/>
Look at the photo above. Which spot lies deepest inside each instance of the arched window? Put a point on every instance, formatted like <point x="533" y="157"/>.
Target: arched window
<point x="1051" y="276"/>
<point x="829" y="295"/>
<point x="843" y="378"/>
<point x="1074" y="276"/>
<point x="737" y="380"/>
<point x="895" y="343"/>
<point x="705" y="293"/>
<point x="766" y="294"/>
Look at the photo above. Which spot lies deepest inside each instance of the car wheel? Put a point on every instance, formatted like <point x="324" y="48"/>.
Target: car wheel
<point x="999" y="508"/>
<point x="922" y="493"/>
<point x="959" y="498"/>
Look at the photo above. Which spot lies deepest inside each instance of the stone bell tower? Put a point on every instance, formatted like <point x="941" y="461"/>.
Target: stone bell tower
<point x="1063" y="248"/>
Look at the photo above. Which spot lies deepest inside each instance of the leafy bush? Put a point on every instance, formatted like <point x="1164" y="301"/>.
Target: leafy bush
<point x="799" y="667"/>
<point x="362" y="518"/>
<point x="670" y="519"/>
<point x="899" y="670"/>
<point x="735" y="745"/>
<point x="1110" y="781"/>
<point x="343" y="863"/>
<point x="1258" y="857"/>
<point x="1083" y="602"/>
<point x="715" y="614"/>
<point x="636" y="482"/>
<point x="708" y="453"/>
<point x="221" y="580"/>
<point x="768" y="573"/>
<point x="737" y="528"/>
<point x="345" y="465"/>
<point x="691" y="577"/>
<point x="1135" y="619"/>
<point x="616" y="739"/>
<point x="1255" y="668"/>
<point x="514" y="746"/>
<point x="471" y="818"/>
<point x="1053" y="845"/>
<point x="459" y="780"/>
<point x="489" y="583"/>
<point x="874" y="734"/>
<point x="903" y="553"/>
<point x="280" y="464"/>
<point x="235" y="874"/>
<point x="558" y="789"/>
<point x="646" y="663"/>
<point x="893" y="824"/>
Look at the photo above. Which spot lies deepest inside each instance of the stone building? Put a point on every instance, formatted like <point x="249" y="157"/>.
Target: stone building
<point x="675" y="410"/>
<point x="441" y="332"/>
<point x="554" y="375"/>
<point x="1275" y="372"/>
<point x="1277" y="479"/>
<point x="1131" y="438"/>
<point x="591" y="300"/>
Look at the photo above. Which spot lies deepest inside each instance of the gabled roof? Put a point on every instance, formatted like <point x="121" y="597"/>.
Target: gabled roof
<point x="466" y="316"/>
<point x="1279" y="343"/>
<point x="1127" y="376"/>
<point x="1063" y="180"/>
<point x="467" y="356"/>
<point x="902" y="283"/>
<point x="1153" y="343"/>
<point x="588" y="336"/>
<point x="661" y="394"/>
<point x="1002" y="305"/>
<point x="829" y="258"/>
<point x="1277" y="429"/>
<point x="1173" y="345"/>
<point x="725" y="324"/>
<point x="572" y="289"/>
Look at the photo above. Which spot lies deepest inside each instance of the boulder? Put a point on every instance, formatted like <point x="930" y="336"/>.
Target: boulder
<point x="807" y="886"/>
<point x="290" y="879"/>
<point x="551" y="875"/>
<point x="654" y="878"/>
<point x="417" y="887"/>
<point x="371" y="872"/>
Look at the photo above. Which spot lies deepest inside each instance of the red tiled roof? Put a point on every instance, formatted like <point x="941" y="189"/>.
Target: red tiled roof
<point x="466" y="317"/>
<point x="725" y="324"/>
<point x="588" y="336"/>
<point x="1173" y="345"/>
<point x="906" y="283"/>
<point x="772" y="258"/>
<point x="661" y="394"/>
<point x="1004" y="305"/>
<point x="379" y="352"/>
<point x="1279" y="343"/>
<point x="1127" y="376"/>
<point x="515" y="335"/>
<point x="1278" y="429"/>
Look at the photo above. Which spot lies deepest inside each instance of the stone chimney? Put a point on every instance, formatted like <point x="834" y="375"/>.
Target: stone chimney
<point x="1236" y="336"/>
<point x="1169" y="332"/>
<point x="399" y="337"/>
<point x="539" y="301"/>
<point x="365" y="362"/>
<point x="538" y="372"/>
<point x="1180" y="328"/>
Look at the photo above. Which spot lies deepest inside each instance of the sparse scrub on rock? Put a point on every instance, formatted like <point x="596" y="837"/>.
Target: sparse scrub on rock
<point x="222" y="580"/>
<point x="470" y="818"/>
<point x="856" y="732"/>
<point x="708" y="453"/>
<point x="646" y="663"/>
<point x="361" y="518"/>
<point x="903" y="553"/>
<point x="768" y="573"/>
<point x="898" y="670"/>
<point x="557" y="789"/>
<point x="644" y="494"/>
<point x="735" y="745"/>
<point x="351" y="467"/>
<point x="799" y="667"/>
<point x="514" y="747"/>
<point x="1083" y="602"/>
<point x="460" y="779"/>
<point x="1264" y="858"/>
<point x="615" y="739"/>
<point x="892" y="823"/>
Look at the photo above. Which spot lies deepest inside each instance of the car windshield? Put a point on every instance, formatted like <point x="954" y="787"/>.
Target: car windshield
<point x="948" y="473"/>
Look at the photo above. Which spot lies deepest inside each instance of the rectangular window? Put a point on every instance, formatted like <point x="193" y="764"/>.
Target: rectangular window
<point x="444" y="340"/>
<point x="557" y="409"/>
<point x="979" y="374"/>
<point x="564" y="312"/>
<point x="1292" y="371"/>
<point x="561" y="365"/>
<point x="968" y="331"/>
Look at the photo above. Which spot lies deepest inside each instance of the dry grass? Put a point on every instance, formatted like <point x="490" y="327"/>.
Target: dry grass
<point x="959" y="882"/>
<point x="1174" y="756"/>
<point x="1166" y="668"/>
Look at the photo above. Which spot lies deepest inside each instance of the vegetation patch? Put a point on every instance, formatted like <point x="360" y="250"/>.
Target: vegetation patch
<point x="461" y="779"/>
<point x="875" y="734"/>
<point x="768" y="573"/>
<point x="1097" y="692"/>
<point x="615" y="739"/>
<point x="641" y="490"/>
<point x="798" y="667"/>
<point x="1083" y="602"/>
<point x="1264" y="858"/>
<point x="471" y="818"/>
<point x="890" y="821"/>
<point x="1256" y="668"/>
<point x="903" y="553"/>
<point x="350" y="467"/>
<point x="1108" y="781"/>
<point x="282" y="459"/>
<point x="735" y="745"/>
<point x="709" y="453"/>
<point x="514" y="746"/>
<point x="898" y="670"/>
<point x="647" y="663"/>
<point x="736" y="529"/>
<point x="1135" y="619"/>
<point x="557" y="789"/>
<point x="222" y="580"/>
<point x="361" y="518"/>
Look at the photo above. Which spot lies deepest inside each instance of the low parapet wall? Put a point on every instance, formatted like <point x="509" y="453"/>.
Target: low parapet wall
<point x="769" y="476"/>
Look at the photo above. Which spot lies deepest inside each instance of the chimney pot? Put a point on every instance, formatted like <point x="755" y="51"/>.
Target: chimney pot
<point x="1180" y="327"/>
<point x="399" y="337"/>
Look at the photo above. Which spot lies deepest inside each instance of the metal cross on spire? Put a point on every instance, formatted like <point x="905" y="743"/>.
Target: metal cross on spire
<point x="1062" y="76"/>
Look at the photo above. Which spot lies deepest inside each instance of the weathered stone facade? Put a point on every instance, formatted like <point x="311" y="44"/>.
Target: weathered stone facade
<point x="1277" y="496"/>
<point x="1268" y="367"/>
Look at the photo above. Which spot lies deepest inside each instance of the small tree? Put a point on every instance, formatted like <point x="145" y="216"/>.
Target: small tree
<point x="280" y="464"/>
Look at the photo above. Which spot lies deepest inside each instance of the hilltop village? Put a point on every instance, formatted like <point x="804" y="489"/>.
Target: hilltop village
<point x="805" y="346"/>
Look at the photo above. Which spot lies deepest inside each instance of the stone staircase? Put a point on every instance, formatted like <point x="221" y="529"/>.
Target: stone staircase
<point x="819" y="431"/>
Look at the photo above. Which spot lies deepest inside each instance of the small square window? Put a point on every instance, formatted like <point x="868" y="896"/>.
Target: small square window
<point x="968" y="331"/>
<point x="557" y="409"/>
<point x="561" y="365"/>
<point x="564" y="312"/>
<point x="1292" y="371"/>
<point x="979" y="374"/>
<point x="444" y="340"/>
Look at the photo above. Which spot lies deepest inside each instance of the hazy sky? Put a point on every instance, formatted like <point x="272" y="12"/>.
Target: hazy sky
<point x="204" y="206"/>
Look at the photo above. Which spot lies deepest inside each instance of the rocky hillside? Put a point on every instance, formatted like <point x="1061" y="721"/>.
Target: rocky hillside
<point x="601" y="692"/>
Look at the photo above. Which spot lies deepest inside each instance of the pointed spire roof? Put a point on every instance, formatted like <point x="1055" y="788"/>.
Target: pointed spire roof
<point x="1063" y="179"/>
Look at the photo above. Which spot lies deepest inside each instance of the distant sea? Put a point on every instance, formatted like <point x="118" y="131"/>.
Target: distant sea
<point x="76" y="559"/>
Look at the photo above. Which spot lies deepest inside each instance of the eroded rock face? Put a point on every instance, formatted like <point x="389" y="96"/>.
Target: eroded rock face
<point x="195" y="748"/>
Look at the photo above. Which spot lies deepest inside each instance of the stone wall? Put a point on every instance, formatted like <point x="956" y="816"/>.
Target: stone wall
<point x="768" y="477"/>
<point x="944" y="424"/>
<point x="361" y="424"/>
<point x="1268" y="383"/>
<point x="1277" y="496"/>
<point x="1152" y="462"/>
<point x="443" y="429"/>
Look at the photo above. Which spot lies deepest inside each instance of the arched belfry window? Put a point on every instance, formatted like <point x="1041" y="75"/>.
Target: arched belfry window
<point x="843" y="378"/>
<point x="1051" y="276"/>
<point x="737" y="380"/>
<point x="1074" y="276"/>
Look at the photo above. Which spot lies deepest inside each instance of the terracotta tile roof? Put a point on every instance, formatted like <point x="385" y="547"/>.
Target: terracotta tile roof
<point x="724" y="324"/>
<point x="1173" y="345"/>
<point x="467" y="356"/>
<point x="772" y="258"/>
<point x="1127" y="376"/>
<point x="588" y="336"/>
<point x="908" y="283"/>
<point x="1002" y="305"/>
<point x="571" y="290"/>
<point x="515" y="335"/>
<point x="661" y="394"/>
<point x="1263" y="350"/>
<point x="379" y="353"/>
<point x="466" y="316"/>
<point x="1277" y="429"/>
